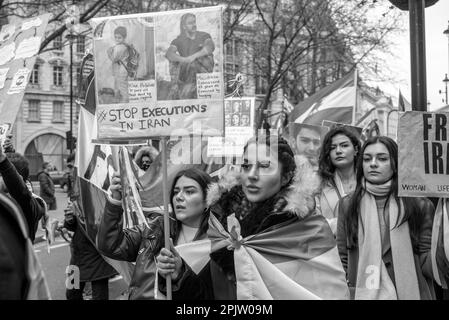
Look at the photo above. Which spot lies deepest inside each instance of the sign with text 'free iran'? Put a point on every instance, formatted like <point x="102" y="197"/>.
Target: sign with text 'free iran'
<point x="423" y="154"/>
<point x="159" y="74"/>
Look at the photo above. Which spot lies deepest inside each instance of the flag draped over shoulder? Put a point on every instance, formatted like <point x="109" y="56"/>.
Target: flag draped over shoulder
<point x="294" y="261"/>
<point x="335" y="102"/>
<point x="440" y="238"/>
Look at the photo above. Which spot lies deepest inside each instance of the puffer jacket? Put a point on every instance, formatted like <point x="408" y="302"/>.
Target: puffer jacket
<point x="138" y="244"/>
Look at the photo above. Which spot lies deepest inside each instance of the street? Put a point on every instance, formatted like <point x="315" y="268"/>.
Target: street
<point x="54" y="263"/>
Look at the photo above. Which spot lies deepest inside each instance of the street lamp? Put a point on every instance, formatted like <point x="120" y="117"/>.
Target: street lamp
<point x="417" y="49"/>
<point x="445" y="80"/>
<point x="70" y="38"/>
<point x="446" y="32"/>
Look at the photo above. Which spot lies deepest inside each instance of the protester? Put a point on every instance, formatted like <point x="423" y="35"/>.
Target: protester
<point x="21" y="276"/>
<point x="263" y="216"/>
<point x="140" y="243"/>
<point x="71" y="177"/>
<point x="47" y="187"/>
<point x="92" y="267"/>
<point x="14" y="174"/>
<point x="307" y="141"/>
<point x="192" y="52"/>
<point x="389" y="257"/>
<point x="145" y="156"/>
<point x="337" y="161"/>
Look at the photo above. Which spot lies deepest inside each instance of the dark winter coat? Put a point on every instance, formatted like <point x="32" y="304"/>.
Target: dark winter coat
<point x="85" y="256"/>
<point x="32" y="207"/>
<point x="138" y="244"/>
<point x="47" y="189"/>
<point x="421" y="249"/>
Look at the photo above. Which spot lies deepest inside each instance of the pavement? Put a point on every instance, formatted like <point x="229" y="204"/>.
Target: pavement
<point x="58" y="214"/>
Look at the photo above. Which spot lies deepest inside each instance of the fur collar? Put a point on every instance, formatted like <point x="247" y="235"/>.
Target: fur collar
<point x="299" y="196"/>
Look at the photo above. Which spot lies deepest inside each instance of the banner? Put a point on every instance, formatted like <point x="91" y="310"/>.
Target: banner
<point x="19" y="45"/>
<point x="239" y="128"/>
<point x="157" y="72"/>
<point x="423" y="154"/>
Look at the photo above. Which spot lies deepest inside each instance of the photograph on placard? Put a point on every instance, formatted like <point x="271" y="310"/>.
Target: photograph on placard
<point x="124" y="56"/>
<point x="189" y="55"/>
<point x="306" y="140"/>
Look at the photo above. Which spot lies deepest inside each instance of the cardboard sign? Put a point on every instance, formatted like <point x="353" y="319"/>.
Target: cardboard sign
<point x="423" y="160"/>
<point x="151" y="78"/>
<point x="19" y="45"/>
<point x="239" y="128"/>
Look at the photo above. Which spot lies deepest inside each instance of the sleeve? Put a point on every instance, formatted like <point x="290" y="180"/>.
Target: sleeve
<point x="112" y="240"/>
<point x="425" y="238"/>
<point x="342" y="235"/>
<point x="209" y="43"/>
<point x="190" y="286"/>
<point x="32" y="208"/>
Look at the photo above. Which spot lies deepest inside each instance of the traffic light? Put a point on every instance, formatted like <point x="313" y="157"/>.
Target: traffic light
<point x="70" y="140"/>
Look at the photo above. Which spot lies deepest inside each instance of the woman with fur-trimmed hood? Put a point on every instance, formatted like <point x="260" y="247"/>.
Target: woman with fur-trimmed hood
<point x="266" y="241"/>
<point x="145" y="156"/>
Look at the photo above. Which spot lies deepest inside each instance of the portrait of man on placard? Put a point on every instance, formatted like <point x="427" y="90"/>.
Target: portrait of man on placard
<point x="190" y="53"/>
<point x="306" y="140"/>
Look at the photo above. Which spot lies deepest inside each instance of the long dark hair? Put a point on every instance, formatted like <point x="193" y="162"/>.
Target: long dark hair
<point x="203" y="179"/>
<point x="412" y="213"/>
<point x="326" y="167"/>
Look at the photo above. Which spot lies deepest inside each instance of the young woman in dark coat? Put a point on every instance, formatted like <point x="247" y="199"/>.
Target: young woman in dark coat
<point x="384" y="240"/>
<point x="140" y="244"/>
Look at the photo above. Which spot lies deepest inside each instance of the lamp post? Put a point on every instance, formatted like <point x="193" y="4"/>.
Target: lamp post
<point x="70" y="38"/>
<point x="417" y="49"/>
<point x="446" y="80"/>
<point x="446" y="32"/>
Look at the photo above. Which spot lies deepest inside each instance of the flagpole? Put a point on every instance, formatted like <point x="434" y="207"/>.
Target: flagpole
<point x="355" y="96"/>
<point x="166" y="213"/>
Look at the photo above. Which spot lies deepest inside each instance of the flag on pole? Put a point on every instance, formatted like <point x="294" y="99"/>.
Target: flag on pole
<point x="403" y="105"/>
<point x="335" y="102"/>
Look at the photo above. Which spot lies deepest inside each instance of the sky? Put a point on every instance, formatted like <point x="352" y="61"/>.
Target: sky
<point x="437" y="55"/>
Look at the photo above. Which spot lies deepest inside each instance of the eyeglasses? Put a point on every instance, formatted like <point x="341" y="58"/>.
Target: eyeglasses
<point x="147" y="162"/>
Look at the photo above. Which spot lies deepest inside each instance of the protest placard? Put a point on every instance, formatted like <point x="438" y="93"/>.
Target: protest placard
<point x="423" y="159"/>
<point x="155" y="74"/>
<point x="19" y="46"/>
<point x="239" y="128"/>
<point x="4" y="128"/>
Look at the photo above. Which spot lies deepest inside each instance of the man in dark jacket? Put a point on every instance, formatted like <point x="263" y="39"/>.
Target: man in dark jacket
<point x="14" y="173"/>
<point x="47" y="188"/>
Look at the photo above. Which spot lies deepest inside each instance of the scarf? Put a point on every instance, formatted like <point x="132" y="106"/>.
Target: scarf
<point x="373" y="281"/>
<point x="440" y="232"/>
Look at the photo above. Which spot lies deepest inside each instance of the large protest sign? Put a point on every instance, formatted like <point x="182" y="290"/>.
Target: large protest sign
<point x="423" y="154"/>
<point x="239" y="128"/>
<point x="19" y="45"/>
<point x="159" y="72"/>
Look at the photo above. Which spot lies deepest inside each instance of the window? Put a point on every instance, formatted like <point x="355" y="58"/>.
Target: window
<point x="57" y="76"/>
<point x="34" y="78"/>
<point x="57" y="43"/>
<point x="58" y="111"/>
<point x="261" y="84"/>
<point x="81" y="44"/>
<point x="34" y="110"/>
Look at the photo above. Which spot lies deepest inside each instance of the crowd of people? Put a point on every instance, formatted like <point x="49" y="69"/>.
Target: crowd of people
<point x="329" y="225"/>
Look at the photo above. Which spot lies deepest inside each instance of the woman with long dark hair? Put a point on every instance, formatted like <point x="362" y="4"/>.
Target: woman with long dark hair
<point x="384" y="240"/>
<point x="337" y="163"/>
<point x="266" y="242"/>
<point x="140" y="243"/>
